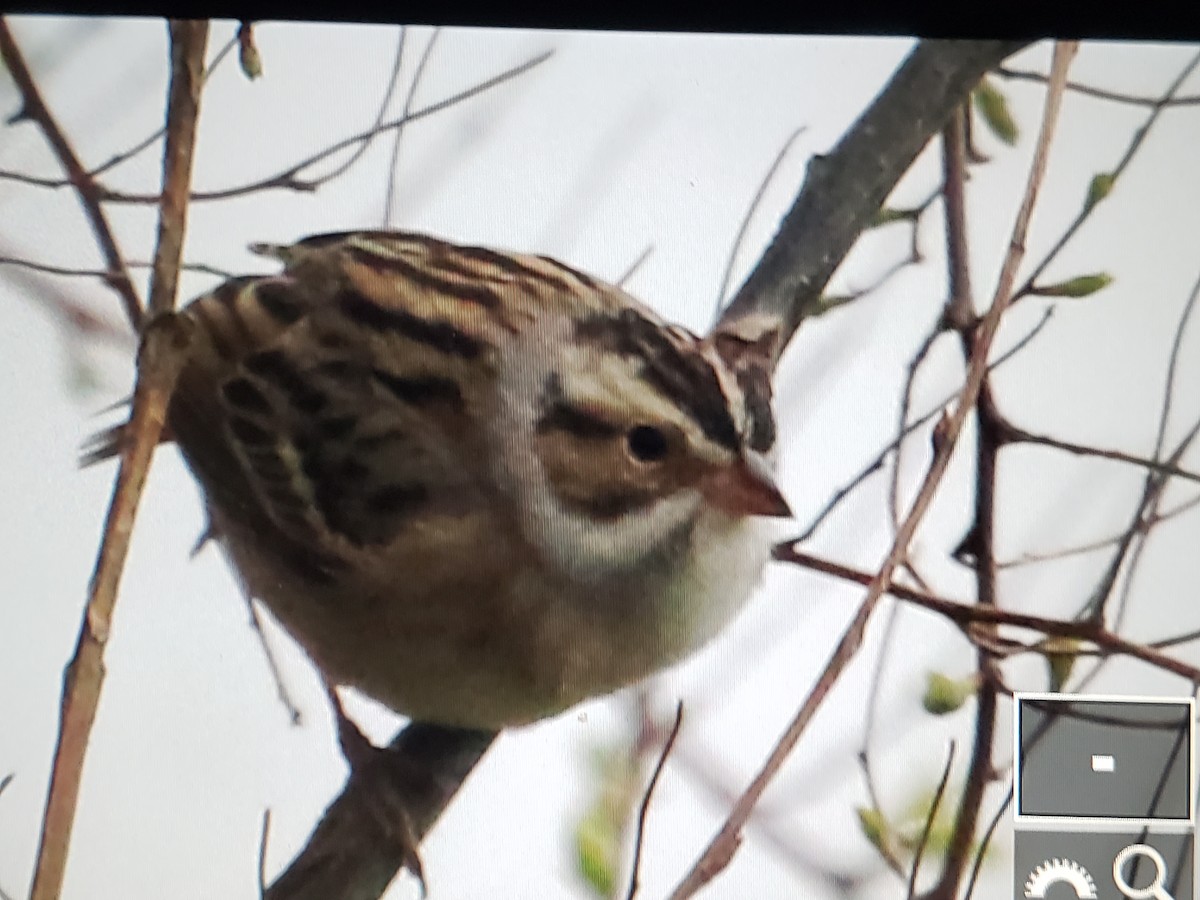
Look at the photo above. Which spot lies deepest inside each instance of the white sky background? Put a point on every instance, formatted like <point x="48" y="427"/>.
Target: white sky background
<point x="617" y="143"/>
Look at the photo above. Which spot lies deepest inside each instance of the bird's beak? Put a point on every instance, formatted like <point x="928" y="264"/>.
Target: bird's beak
<point x="747" y="488"/>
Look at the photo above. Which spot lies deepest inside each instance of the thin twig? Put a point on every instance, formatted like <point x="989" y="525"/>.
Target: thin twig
<point x="281" y="689"/>
<point x="1099" y="93"/>
<point x="977" y="864"/>
<point x="1156" y="482"/>
<point x="149" y="140"/>
<point x="740" y="237"/>
<point x="634" y="266"/>
<point x="159" y="362"/>
<point x="34" y="108"/>
<point x="929" y="819"/>
<point x="397" y="141"/>
<point x="876" y="462"/>
<point x="967" y="616"/>
<point x="1152" y="492"/>
<point x="263" y="835"/>
<point x="830" y="302"/>
<point x="1146" y="523"/>
<point x="958" y="273"/>
<point x="1186" y="638"/>
<point x="910" y="377"/>
<point x="76" y="316"/>
<point x="1131" y="151"/>
<point x="290" y="179"/>
<point x="393" y="81"/>
<point x="51" y="269"/>
<point x="1020" y="435"/>
<point x="644" y="807"/>
<point x="1164" y="416"/>
<point x="1134" y="539"/>
<point x="844" y="189"/>
<point x="79" y="272"/>
<point x="864" y="757"/>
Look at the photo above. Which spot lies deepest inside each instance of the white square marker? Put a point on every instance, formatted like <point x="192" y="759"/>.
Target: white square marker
<point x="1103" y="763"/>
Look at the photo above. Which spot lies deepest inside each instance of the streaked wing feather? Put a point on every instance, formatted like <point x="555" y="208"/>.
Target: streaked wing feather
<point x="343" y="404"/>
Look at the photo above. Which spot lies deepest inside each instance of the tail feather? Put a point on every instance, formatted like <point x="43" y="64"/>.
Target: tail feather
<point x="102" y="445"/>
<point x="108" y="444"/>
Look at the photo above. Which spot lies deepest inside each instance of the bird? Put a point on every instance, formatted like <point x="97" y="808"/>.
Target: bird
<point x="480" y="487"/>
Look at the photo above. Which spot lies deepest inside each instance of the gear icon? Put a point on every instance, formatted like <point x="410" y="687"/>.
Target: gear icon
<point x="1053" y="871"/>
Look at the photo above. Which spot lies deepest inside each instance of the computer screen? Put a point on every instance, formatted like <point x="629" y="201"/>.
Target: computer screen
<point x="589" y="464"/>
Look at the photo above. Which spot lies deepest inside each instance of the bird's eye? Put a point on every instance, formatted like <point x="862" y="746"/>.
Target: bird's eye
<point x="646" y="443"/>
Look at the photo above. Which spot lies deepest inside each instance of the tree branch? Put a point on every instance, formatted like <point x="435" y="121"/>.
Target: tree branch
<point x="90" y="195"/>
<point x="159" y="362"/>
<point x="356" y="850"/>
<point x="845" y="189"/>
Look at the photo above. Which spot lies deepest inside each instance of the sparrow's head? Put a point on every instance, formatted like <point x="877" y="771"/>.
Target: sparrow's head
<point x="640" y="430"/>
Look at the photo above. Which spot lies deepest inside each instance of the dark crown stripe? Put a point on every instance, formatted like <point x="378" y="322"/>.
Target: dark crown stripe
<point x="469" y="291"/>
<point x="450" y="259"/>
<point x="582" y="277"/>
<point x="756" y="388"/>
<point x="440" y="336"/>
<point x="686" y="379"/>
<point x="513" y="266"/>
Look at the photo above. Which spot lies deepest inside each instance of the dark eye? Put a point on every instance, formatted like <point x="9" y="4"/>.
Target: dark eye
<point x="646" y="443"/>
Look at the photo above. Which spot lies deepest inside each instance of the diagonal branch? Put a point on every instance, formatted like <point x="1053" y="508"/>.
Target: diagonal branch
<point x="355" y="851"/>
<point x="90" y="195"/>
<point x="1013" y="434"/>
<point x="292" y="179"/>
<point x="967" y="617"/>
<point x="159" y="362"/>
<point x="845" y="189"/>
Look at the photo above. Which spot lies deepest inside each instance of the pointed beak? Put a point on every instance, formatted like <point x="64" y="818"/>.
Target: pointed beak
<point x="747" y="488"/>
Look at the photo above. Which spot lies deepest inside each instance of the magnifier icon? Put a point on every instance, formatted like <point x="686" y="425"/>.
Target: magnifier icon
<point x="1154" y="890"/>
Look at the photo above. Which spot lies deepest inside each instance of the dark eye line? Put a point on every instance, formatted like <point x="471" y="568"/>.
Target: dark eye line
<point x="577" y="422"/>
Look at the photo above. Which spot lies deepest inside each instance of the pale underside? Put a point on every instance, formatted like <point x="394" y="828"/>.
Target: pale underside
<point x="364" y="430"/>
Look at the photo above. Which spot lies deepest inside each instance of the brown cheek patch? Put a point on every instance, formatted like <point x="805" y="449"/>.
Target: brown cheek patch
<point x="597" y="477"/>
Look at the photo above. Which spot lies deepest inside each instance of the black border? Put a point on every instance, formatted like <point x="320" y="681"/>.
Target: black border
<point x="999" y="19"/>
